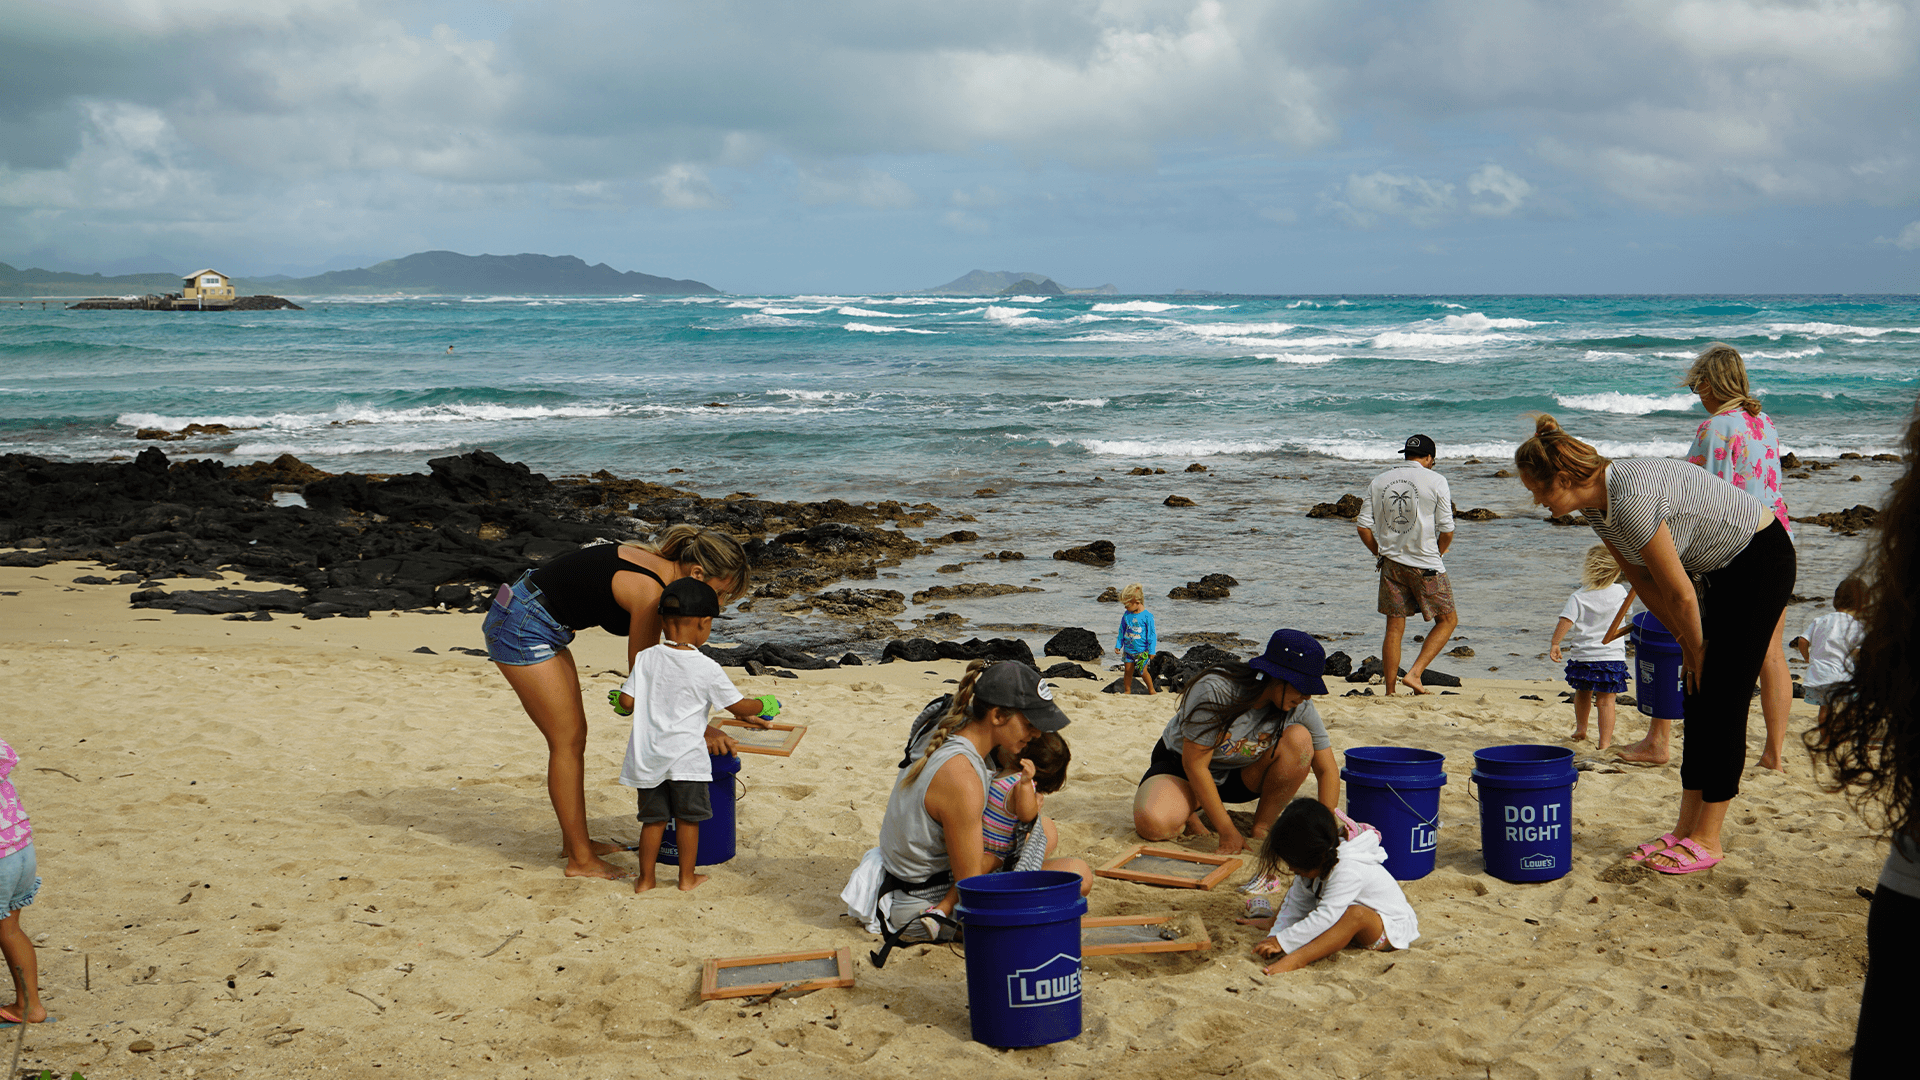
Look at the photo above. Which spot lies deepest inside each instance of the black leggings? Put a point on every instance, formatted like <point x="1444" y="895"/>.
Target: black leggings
<point x="1742" y="605"/>
<point x="1883" y="1044"/>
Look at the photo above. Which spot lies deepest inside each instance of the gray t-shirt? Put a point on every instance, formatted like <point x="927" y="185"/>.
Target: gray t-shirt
<point x="1250" y="735"/>
<point x="1902" y="870"/>
<point x="913" y="845"/>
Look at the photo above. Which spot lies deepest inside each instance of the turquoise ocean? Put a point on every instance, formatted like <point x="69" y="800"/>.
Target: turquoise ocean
<point x="1025" y="415"/>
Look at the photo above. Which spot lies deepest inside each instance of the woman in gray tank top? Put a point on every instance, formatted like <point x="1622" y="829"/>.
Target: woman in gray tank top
<point x="931" y="836"/>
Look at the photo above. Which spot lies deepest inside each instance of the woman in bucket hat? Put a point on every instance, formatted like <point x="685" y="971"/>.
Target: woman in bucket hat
<point x="1243" y="732"/>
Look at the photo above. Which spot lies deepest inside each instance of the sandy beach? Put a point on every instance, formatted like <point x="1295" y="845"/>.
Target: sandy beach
<point x="302" y="848"/>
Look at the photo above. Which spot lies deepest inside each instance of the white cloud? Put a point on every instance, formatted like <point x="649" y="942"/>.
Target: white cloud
<point x="1908" y="240"/>
<point x="1364" y="200"/>
<point x="871" y="188"/>
<point x="1503" y="191"/>
<point x="686" y="187"/>
<point x="962" y="222"/>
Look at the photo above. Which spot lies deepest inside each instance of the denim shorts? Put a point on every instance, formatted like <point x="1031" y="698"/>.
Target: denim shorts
<point x="519" y="629"/>
<point x="1817" y="695"/>
<point x="17" y="881"/>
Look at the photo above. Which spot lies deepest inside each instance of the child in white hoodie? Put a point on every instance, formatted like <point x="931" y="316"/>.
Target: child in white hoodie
<point x="1342" y="894"/>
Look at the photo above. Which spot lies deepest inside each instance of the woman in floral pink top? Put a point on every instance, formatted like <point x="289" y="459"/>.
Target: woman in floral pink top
<point x="1737" y="443"/>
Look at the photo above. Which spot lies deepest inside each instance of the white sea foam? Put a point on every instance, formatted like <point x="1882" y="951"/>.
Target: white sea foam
<point x="355" y="416"/>
<point x="1008" y="316"/>
<point x="1136" y="305"/>
<point x="1023" y="298"/>
<point x="1408" y="339"/>
<point x="1604" y="354"/>
<point x="1784" y="354"/>
<point x="1611" y="401"/>
<point x="1476" y="323"/>
<point x="1827" y="329"/>
<point x="815" y="395"/>
<point x="872" y="329"/>
<point x="762" y="319"/>
<point x="1265" y="329"/>
<point x="856" y="313"/>
<point x="792" y="310"/>
<point x="1088" y="403"/>
<point x="1297" y="358"/>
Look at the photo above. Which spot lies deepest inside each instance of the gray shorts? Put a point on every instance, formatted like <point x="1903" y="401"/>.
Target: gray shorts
<point x="1818" y="695"/>
<point x="676" y="800"/>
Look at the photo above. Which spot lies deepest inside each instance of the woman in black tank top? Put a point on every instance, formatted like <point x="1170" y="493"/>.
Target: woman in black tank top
<point x="617" y="588"/>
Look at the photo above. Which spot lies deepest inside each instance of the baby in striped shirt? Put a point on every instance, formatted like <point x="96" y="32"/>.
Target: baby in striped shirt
<point x="1015" y="795"/>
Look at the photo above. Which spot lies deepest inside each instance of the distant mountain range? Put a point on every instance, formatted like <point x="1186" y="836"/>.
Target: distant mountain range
<point x="429" y="272"/>
<point x="1002" y="282"/>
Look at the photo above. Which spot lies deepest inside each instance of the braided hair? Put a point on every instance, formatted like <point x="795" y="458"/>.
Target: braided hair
<point x="1306" y="838"/>
<point x="964" y="710"/>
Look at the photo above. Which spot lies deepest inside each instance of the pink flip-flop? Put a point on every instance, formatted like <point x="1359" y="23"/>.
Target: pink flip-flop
<point x="1666" y="841"/>
<point x="1688" y="857"/>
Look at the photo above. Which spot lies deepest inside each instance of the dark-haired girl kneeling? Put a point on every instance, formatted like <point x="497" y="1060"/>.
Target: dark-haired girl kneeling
<point x="1341" y="896"/>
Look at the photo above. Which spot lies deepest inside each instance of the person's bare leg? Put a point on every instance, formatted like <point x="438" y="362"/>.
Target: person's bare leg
<point x="1390" y="651"/>
<point x="1163" y="806"/>
<point x="1278" y="776"/>
<point x="1361" y="925"/>
<point x="1443" y="628"/>
<point x="550" y="693"/>
<point x="651" y="834"/>
<point x="1582" y="701"/>
<point x="1655" y="749"/>
<point x="1603" y="704"/>
<point x="1776" y="699"/>
<point x="1126" y="674"/>
<point x="688" y="837"/>
<point x="1700" y="822"/>
<point x="24" y="965"/>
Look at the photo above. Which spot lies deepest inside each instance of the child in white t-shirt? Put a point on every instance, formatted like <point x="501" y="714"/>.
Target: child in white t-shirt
<point x="1830" y="642"/>
<point x="673" y="689"/>
<point x="1596" y="658"/>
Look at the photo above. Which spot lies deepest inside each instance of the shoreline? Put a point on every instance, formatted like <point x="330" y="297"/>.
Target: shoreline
<point x="300" y="848"/>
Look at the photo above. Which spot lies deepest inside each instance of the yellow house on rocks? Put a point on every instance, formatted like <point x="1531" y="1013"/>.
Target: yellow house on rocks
<point x="206" y="288"/>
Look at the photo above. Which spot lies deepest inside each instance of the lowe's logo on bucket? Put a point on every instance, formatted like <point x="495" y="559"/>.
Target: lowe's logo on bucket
<point x="1423" y="837"/>
<point x="1537" y="862"/>
<point x="1055" y="981"/>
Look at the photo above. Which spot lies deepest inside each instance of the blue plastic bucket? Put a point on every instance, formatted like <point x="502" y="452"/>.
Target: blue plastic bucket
<point x="716" y="833"/>
<point x="1656" y="669"/>
<point x="1526" y="811"/>
<point x="1023" y="955"/>
<point x="1397" y="790"/>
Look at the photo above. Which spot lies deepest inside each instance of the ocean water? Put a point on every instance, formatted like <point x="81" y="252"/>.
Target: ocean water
<point x="1046" y="403"/>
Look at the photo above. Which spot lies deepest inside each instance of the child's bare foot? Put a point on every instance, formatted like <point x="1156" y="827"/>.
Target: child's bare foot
<point x="690" y="882"/>
<point x="645" y="882"/>
<point x="1579" y="735"/>
<point x="598" y="868"/>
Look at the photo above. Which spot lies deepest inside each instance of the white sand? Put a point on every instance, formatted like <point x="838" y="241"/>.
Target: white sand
<point x="288" y="848"/>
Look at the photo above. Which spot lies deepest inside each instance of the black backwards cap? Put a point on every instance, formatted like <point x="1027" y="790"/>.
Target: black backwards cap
<point x="689" y="598"/>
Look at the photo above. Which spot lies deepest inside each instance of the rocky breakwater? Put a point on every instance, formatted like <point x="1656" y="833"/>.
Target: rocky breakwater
<point x="444" y="539"/>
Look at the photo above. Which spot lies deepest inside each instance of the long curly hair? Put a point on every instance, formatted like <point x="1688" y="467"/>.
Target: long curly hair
<point x="1872" y="738"/>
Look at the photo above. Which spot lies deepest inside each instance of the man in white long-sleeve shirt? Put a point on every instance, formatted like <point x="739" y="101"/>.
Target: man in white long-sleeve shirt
<point x="1407" y="522"/>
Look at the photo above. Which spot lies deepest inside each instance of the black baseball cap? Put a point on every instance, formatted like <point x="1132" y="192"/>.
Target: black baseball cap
<point x="689" y="598"/>
<point x="1419" y="446"/>
<point x="1011" y="684"/>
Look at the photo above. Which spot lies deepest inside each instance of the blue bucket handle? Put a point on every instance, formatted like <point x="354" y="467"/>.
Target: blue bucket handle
<point x="1474" y="793"/>
<point x="1433" y="822"/>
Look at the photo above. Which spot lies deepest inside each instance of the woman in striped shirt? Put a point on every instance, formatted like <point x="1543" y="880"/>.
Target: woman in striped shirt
<point x="1715" y="567"/>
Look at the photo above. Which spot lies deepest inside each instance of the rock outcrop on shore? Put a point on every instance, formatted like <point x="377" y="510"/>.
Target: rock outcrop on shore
<point x="445" y="538"/>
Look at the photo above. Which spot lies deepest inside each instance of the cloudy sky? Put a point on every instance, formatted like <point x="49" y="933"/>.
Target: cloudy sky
<point x="1283" y="146"/>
